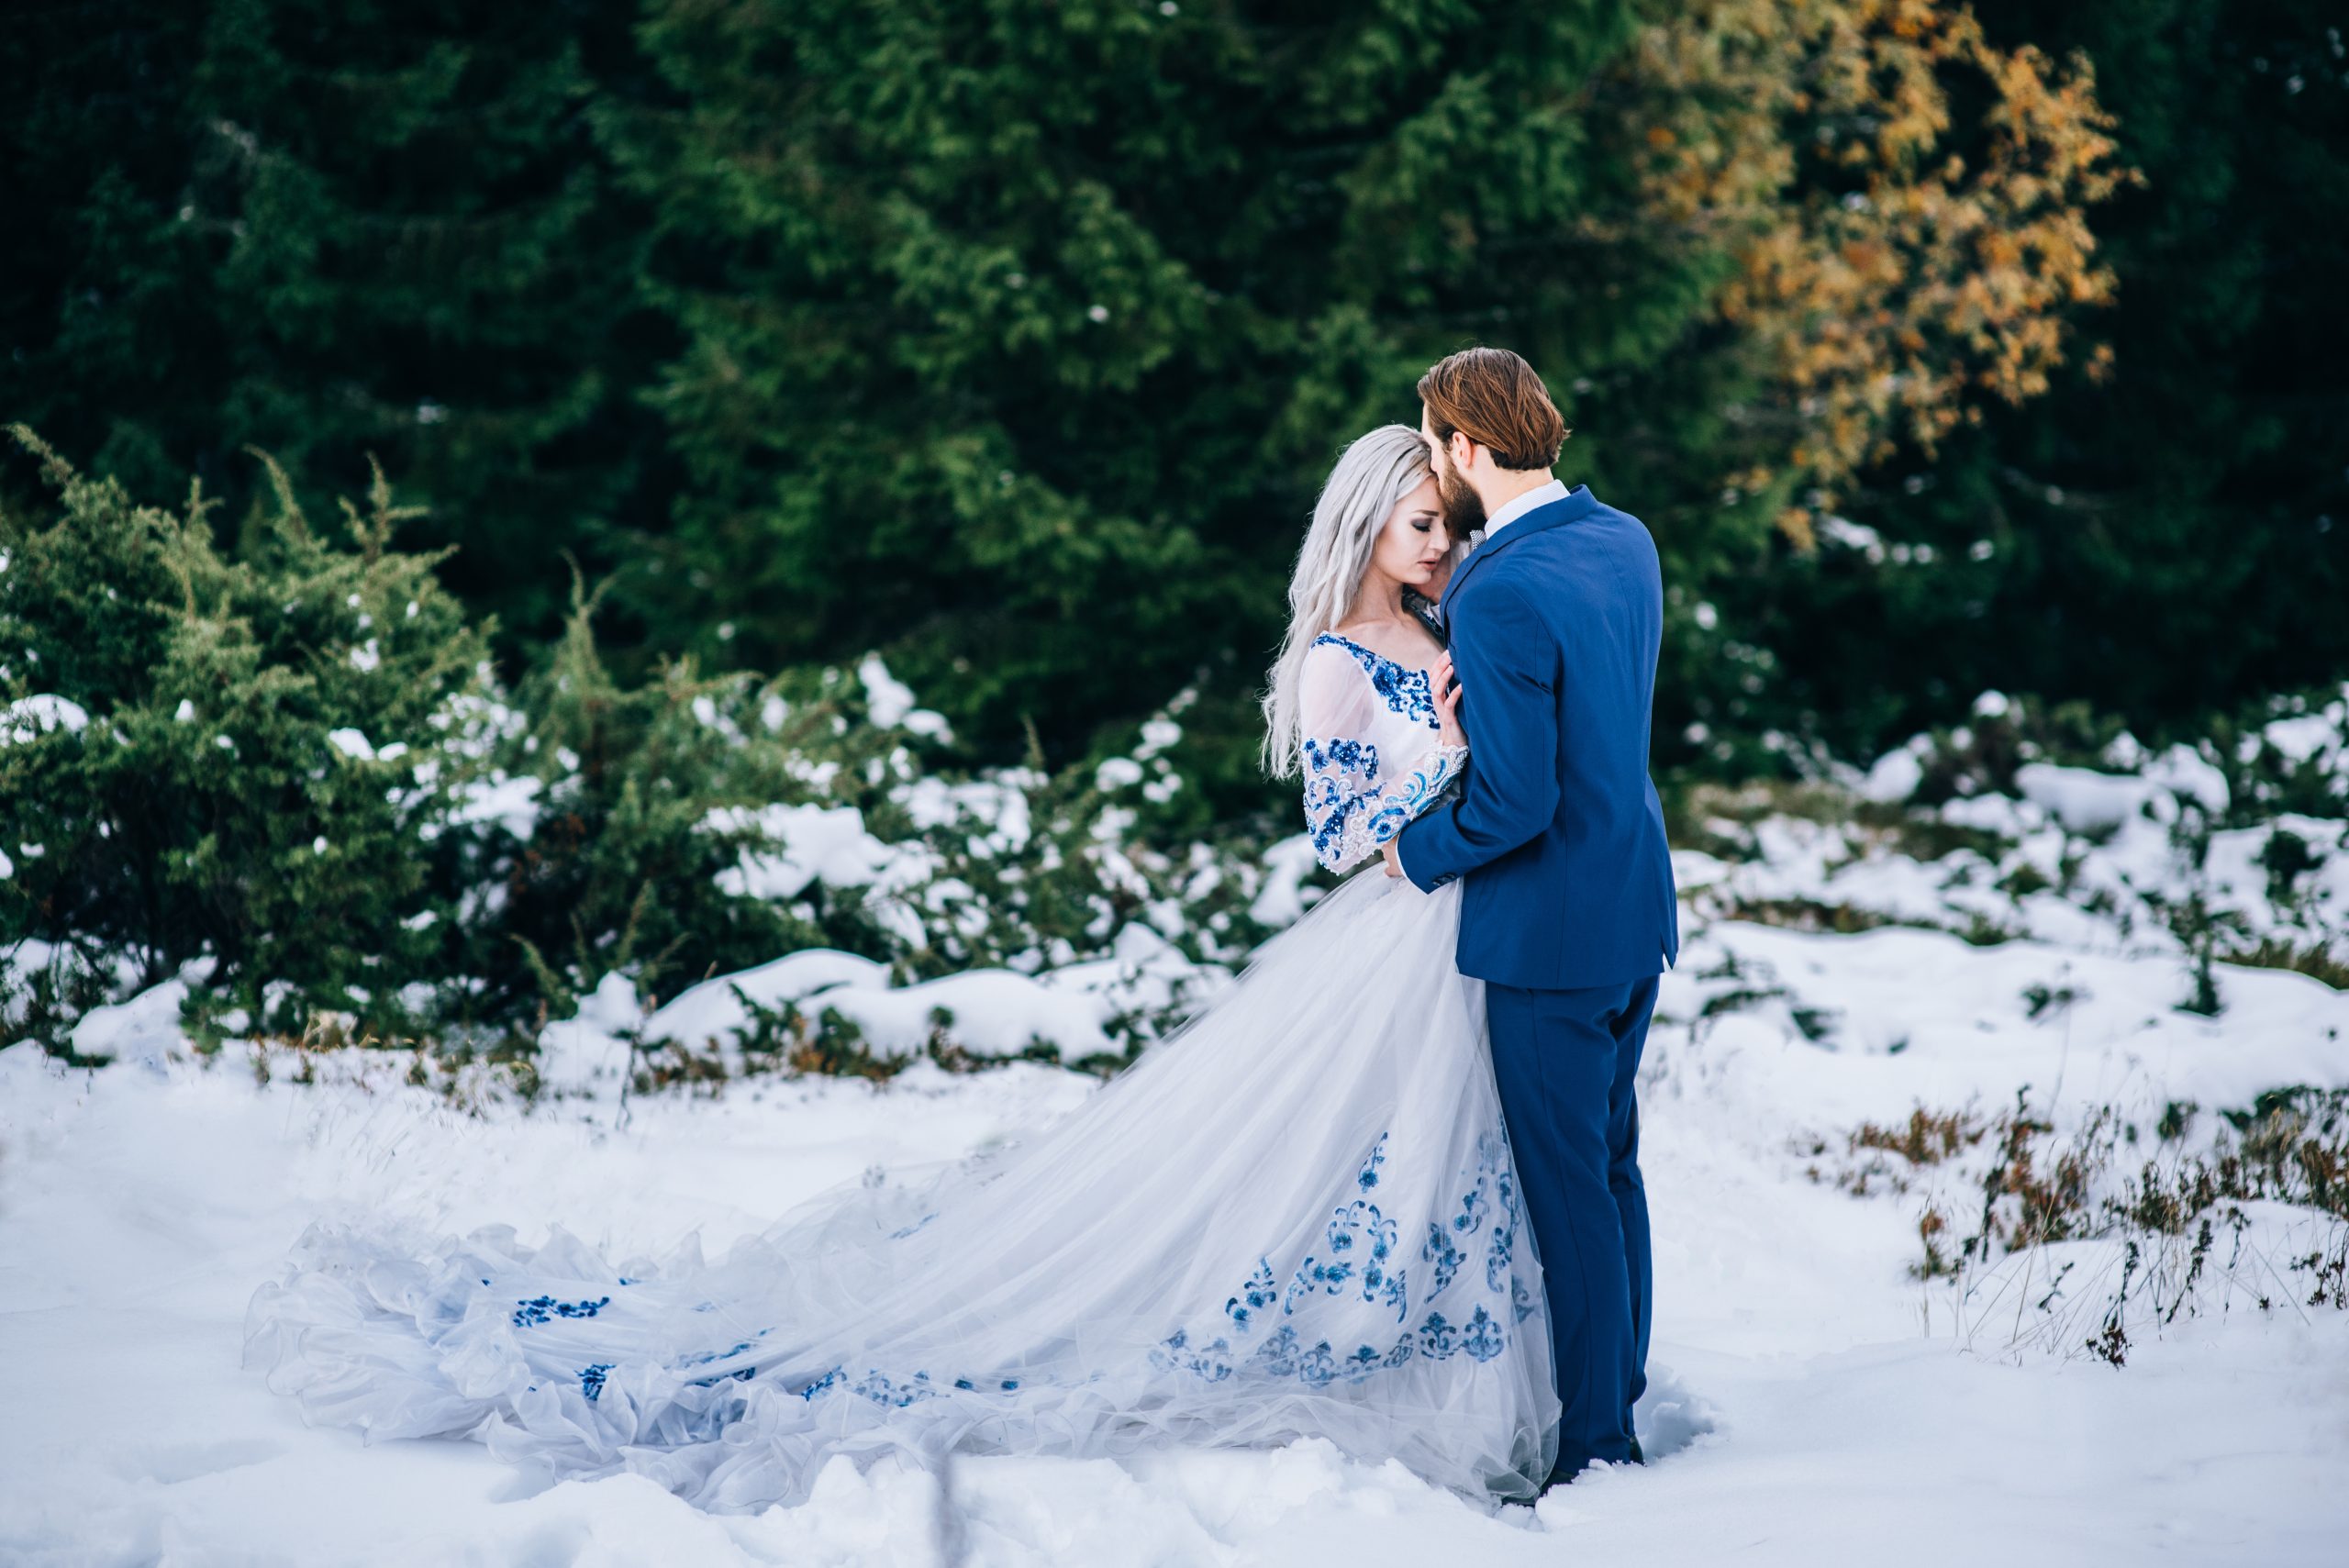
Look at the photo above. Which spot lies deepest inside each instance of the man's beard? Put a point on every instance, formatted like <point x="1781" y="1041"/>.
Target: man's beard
<point x="1464" y="509"/>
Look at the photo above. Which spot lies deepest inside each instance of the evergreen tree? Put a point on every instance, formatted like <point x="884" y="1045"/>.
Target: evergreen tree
<point x="333" y="229"/>
<point x="1019" y="334"/>
<point x="1013" y="339"/>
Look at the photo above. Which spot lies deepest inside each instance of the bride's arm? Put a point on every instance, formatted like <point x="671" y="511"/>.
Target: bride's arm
<point x="1354" y="799"/>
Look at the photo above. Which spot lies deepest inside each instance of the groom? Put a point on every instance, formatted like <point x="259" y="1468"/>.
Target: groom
<point x="1569" y="912"/>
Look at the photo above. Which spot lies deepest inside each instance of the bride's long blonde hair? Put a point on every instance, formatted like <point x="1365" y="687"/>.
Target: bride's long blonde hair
<point x="1371" y="477"/>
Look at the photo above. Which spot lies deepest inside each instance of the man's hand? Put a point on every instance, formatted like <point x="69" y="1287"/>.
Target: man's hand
<point x="1393" y="861"/>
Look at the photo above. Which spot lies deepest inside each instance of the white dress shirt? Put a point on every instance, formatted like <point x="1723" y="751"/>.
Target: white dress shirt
<point x="1539" y="496"/>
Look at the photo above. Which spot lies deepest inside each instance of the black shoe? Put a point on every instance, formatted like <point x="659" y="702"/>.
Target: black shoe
<point x="1562" y="1475"/>
<point x="1564" y="1472"/>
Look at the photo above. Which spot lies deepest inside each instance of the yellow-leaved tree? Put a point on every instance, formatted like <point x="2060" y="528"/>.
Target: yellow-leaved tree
<point x="1903" y="205"/>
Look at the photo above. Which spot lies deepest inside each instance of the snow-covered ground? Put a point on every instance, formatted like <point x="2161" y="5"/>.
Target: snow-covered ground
<point x="2023" y="959"/>
<point x="1810" y="1402"/>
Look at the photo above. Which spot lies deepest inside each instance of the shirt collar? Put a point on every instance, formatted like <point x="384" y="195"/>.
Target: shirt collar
<point x="1541" y="496"/>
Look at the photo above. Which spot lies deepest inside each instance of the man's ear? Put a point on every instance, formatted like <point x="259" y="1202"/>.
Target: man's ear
<point x="1462" y="449"/>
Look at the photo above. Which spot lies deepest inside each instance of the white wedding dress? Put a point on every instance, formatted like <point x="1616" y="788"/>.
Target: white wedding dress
<point x="1294" y="1217"/>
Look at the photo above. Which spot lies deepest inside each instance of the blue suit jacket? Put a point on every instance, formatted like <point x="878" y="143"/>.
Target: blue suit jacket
<point x="1555" y="623"/>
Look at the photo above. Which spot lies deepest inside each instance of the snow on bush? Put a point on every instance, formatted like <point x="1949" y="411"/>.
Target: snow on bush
<point x="290" y="785"/>
<point x="2221" y="853"/>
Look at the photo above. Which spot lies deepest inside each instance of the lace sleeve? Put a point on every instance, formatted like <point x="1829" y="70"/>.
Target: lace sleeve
<point x="1351" y="812"/>
<point x="1355" y="800"/>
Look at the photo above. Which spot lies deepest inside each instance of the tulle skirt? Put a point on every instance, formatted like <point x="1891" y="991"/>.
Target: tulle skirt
<point x="1295" y="1216"/>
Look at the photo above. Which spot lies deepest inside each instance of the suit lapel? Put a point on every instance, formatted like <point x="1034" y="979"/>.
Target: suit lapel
<point x="1577" y="503"/>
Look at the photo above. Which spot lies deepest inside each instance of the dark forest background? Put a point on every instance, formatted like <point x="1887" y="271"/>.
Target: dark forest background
<point x="1944" y="348"/>
<point x="783" y="317"/>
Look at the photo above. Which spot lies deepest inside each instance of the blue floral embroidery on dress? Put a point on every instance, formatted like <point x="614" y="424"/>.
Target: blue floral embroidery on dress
<point x="1484" y="1338"/>
<point x="1327" y="808"/>
<point x="1329" y="1277"/>
<point x="1212" y="1361"/>
<point x="742" y="1375"/>
<point x="1439" y="1251"/>
<point x="1338" y="753"/>
<point x="1362" y="1244"/>
<point x="882" y="1389"/>
<point x="1360" y="1220"/>
<point x="877" y="1386"/>
<point x="1260" y="1290"/>
<point x="1412" y="794"/>
<point x="1404" y="689"/>
<point x="1496" y="1257"/>
<point x="591" y="1380"/>
<point x="539" y="1309"/>
<point x="1277" y="1355"/>
<point x="1349" y="811"/>
<point x="1472" y="1209"/>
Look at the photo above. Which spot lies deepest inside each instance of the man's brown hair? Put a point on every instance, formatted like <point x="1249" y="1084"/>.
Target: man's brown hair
<point x="1495" y="399"/>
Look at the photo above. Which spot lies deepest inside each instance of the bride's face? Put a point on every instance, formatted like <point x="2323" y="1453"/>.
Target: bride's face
<point x="1413" y="542"/>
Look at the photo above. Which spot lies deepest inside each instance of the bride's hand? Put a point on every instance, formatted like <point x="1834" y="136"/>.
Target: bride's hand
<point x="1447" y="703"/>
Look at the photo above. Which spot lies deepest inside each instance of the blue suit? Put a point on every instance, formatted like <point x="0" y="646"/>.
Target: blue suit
<point x="1569" y="912"/>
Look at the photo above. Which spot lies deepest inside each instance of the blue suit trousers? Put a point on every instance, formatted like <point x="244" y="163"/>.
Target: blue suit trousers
<point x="1567" y="1062"/>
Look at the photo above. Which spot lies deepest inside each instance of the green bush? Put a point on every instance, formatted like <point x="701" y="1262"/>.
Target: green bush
<point x="228" y="758"/>
<point x="290" y="777"/>
<point x="647" y="804"/>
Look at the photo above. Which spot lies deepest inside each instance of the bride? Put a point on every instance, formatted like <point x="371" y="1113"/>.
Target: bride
<point x="1296" y="1216"/>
